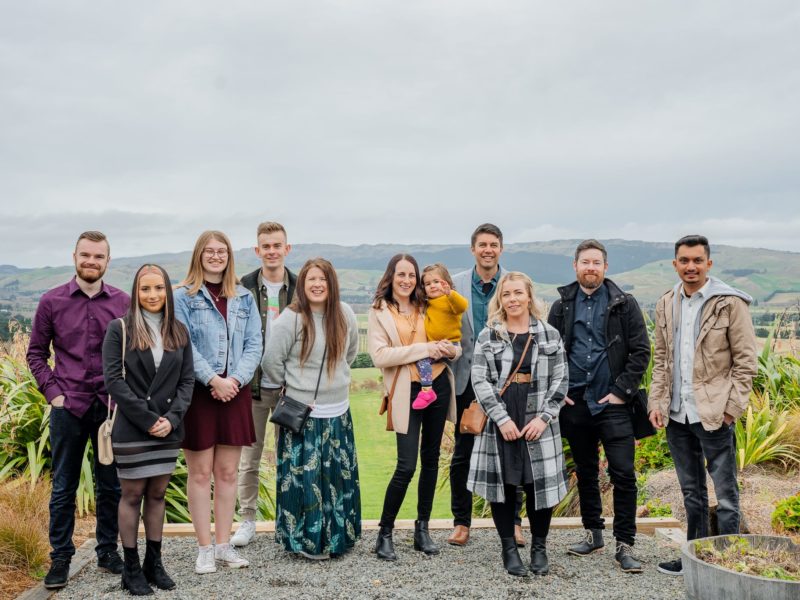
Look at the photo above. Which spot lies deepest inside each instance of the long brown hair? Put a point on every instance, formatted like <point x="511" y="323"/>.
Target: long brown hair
<point x="173" y="332"/>
<point x="384" y="293"/>
<point x="194" y="278"/>
<point x="334" y="320"/>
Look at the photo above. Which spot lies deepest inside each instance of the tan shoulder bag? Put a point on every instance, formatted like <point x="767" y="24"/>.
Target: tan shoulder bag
<point x="105" y="452"/>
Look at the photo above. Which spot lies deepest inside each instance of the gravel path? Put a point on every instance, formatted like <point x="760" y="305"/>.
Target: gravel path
<point x="472" y="572"/>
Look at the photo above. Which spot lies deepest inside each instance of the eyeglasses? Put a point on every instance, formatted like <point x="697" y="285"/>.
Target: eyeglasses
<point x="209" y="252"/>
<point x="487" y="287"/>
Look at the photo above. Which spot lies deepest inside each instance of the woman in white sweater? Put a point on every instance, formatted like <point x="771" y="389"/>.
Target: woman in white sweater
<point x="310" y="349"/>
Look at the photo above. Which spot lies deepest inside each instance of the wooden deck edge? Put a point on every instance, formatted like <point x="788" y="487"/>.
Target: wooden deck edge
<point x="83" y="556"/>
<point x="646" y="525"/>
<point x="675" y="536"/>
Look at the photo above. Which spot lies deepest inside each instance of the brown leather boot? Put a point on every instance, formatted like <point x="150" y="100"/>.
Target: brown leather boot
<point x="518" y="537"/>
<point x="460" y="536"/>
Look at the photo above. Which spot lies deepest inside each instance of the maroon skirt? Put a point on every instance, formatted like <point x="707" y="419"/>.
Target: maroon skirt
<point x="209" y="422"/>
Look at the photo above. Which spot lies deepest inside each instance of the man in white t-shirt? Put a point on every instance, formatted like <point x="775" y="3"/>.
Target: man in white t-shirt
<point x="272" y="285"/>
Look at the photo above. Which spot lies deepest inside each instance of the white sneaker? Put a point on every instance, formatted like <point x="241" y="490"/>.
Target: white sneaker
<point x="229" y="557"/>
<point x="205" y="560"/>
<point x="245" y="534"/>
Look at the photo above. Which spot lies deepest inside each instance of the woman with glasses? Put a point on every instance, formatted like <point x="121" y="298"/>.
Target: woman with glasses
<point x="225" y="330"/>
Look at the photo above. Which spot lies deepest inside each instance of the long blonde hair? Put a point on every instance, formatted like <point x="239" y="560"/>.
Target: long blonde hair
<point x="496" y="311"/>
<point x="194" y="278"/>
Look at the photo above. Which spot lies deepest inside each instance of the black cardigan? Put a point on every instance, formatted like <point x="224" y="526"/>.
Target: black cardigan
<point x="146" y="394"/>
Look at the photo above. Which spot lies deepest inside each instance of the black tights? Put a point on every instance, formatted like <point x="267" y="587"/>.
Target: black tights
<point x="503" y="513"/>
<point x="152" y="490"/>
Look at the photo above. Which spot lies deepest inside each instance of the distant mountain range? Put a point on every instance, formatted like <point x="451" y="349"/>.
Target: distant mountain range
<point x="642" y="268"/>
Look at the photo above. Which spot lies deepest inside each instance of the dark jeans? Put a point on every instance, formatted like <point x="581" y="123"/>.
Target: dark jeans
<point x="460" y="496"/>
<point x="613" y="428"/>
<point x="68" y="437"/>
<point x="693" y="449"/>
<point x="427" y="424"/>
<point x="506" y="513"/>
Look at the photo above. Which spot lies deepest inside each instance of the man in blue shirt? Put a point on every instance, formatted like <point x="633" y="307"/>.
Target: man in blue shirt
<point x="608" y="350"/>
<point x="477" y="285"/>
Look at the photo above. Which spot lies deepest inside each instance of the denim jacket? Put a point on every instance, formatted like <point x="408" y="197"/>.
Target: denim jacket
<point x="242" y="343"/>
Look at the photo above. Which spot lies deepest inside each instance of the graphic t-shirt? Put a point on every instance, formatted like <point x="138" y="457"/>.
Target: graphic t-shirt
<point x="270" y="293"/>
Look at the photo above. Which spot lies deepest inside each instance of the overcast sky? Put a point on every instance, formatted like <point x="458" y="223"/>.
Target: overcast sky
<point x="404" y="121"/>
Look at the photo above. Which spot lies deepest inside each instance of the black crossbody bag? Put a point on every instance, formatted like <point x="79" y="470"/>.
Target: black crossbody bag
<point x="292" y="414"/>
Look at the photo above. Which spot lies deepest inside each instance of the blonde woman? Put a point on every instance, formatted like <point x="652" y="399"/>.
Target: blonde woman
<point x="520" y="379"/>
<point x="225" y="330"/>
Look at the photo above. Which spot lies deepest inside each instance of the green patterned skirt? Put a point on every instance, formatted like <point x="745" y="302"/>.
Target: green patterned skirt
<point x="319" y="498"/>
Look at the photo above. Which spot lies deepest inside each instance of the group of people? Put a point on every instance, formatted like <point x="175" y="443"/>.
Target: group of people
<point x="203" y="368"/>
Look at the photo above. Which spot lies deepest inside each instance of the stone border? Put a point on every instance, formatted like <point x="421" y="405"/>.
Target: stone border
<point x="83" y="556"/>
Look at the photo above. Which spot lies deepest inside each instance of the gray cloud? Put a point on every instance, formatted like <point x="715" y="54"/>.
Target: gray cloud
<point x="365" y="122"/>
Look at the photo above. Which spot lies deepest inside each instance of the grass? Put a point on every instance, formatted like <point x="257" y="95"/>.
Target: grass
<point x="377" y="455"/>
<point x="24" y="545"/>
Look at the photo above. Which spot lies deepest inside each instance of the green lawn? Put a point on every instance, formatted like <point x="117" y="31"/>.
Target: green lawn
<point x="377" y="453"/>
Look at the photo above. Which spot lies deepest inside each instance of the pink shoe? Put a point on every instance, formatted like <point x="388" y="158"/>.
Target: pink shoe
<point x="423" y="399"/>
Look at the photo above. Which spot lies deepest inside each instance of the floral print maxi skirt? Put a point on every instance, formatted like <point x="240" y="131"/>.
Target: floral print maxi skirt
<point x="319" y="498"/>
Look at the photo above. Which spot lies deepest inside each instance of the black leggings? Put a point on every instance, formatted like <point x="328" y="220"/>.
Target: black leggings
<point x="429" y="425"/>
<point x="152" y="490"/>
<point x="503" y="513"/>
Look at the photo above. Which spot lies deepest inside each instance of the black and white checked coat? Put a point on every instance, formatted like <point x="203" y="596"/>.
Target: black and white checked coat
<point x="545" y="397"/>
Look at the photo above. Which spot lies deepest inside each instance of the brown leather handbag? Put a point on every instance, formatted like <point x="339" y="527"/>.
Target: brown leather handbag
<point x="386" y="403"/>
<point x="473" y="419"/>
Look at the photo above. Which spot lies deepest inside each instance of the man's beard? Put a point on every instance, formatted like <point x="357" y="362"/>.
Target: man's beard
<point x="90" y="275"/>
<point x="591" y="282"/>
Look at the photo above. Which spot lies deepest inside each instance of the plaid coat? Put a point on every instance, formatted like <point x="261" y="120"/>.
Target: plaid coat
<point x="545" y="398"/>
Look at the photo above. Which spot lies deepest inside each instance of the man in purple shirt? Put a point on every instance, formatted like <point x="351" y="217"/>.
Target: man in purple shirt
<point x="73" y="317"/>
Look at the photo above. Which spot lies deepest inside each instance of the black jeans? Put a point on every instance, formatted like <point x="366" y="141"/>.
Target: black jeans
<point x="68" y="437"/>
<point x="506" y="513"/>
<point x="613" y="428"/>
<point x="693" y="448"/>
<point x="460" y="496"/>
<point x="427" y="424"/>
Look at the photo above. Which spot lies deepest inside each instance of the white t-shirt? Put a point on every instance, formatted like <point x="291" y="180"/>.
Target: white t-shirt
<point x="273" y="291"/>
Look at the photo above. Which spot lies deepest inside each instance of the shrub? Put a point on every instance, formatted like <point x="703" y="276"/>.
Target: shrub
<point x="786" y="516"/>
<point x="760" y="436"/>
<point x="656" y="508"/>
<point x="652" y="453"/>
<point x="362" y="361"/>
<point x="23" y="525"/>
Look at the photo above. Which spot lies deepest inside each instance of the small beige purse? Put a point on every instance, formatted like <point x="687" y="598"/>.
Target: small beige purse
<point x="105" y="452"/>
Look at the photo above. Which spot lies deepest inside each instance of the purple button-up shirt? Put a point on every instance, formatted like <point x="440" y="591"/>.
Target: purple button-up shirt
<point x="76" y="326"/>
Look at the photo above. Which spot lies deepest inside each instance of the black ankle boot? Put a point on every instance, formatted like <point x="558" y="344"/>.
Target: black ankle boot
<point x="422" y="539"/>
<point x="539" y="564"/>
<point x="384" y="547"/>
<point x="133" y="579"/>
<point x="511" y="560"/>
<point x="153" y="568"/>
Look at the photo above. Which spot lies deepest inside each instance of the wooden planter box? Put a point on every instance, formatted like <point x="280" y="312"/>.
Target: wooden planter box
<point x="705" y="581"/>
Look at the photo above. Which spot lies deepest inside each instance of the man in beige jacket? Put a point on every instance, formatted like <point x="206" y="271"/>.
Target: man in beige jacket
<point x="705" y="361"/>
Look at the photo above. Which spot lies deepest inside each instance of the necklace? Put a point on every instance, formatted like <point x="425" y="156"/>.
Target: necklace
<point x="216" y="297"/>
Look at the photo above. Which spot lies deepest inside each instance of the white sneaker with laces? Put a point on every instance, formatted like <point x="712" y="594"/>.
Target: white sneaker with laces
<point x="205" y="560"/>
<point x="245" y="534"/>
<point x="229" y="557"/>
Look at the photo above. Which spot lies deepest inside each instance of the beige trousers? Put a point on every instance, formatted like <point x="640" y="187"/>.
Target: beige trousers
<point x="250" y="463"/>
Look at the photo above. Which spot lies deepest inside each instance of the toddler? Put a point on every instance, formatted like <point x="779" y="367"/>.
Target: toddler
<point x="442" y="322"/>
